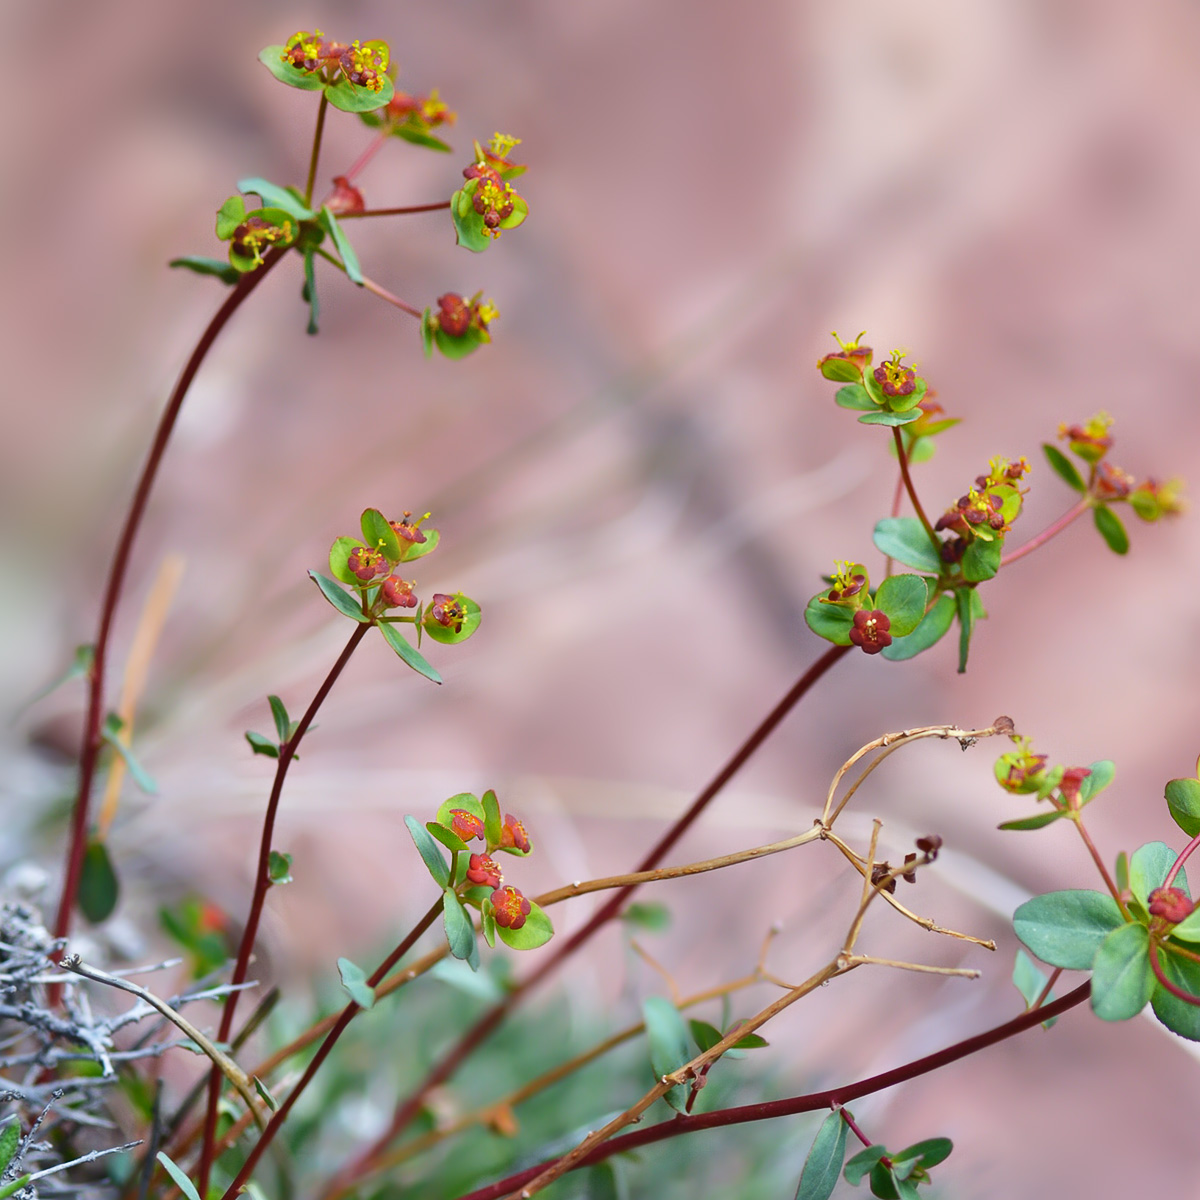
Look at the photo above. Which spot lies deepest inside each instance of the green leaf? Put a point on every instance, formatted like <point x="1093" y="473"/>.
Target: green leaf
<point x="411" y="550"/>
<point x="863" y="1162"/>
<point x="855" y="397"/>
<point x="823" y="1164"/>
<point x="966" y="625"/>
<point x="427" y="332"/>
<point x="265" y="1095"/>
<point x="1122" y="978"/>
<point x="705" y="1036"/>
<point x="1042" y="819"/>
<point x="1111" y="529"/>
<point x="456" y="347"/>
<point x="1188" y="930"/>
<point x="271" y="57"/>
<point x="279" y="714"/>
<point x="840" y="370"/>
<point x="274" y="196"/>
<point x="493" y="823"/>
<point x="927" y="1153"/>
<point x="182" y="1182"/>
<point x="379" y="535"/>
<point x="10" y="1139"/>
<point x="902" y="598"/>
<point x="982" y="559"/>
<point x="217" y="267"/>
<point x="933" y="627"/>
<point x="1178" y="1015"/>
<point x="1102" y="775"/>
<point x="352" y="99"/>
<point x="279" y="867"/>
<point x="1029" y="980"/>
<point x="890" y="418"/>
<point x="669" y="1046"/>
<point x="11" y="1189"/>
<point x="111" y="733"/>
<point x="905" y="540"/>
<point x="1148" y="869"/>
<point x="261" y="744"/>
<point x="1122" y="872"/>
<point x="448" y="635"/>
<point x="346" y="604"/>
<point x="1183" y="799"/>
<point x="752" y="1041"/>
<point x="1062" y="466"/>
<point x="229" y="216"/>
<point x="98" y="886"/>
<point x="460" y="932"/>
<point x="429" y="852"/>
<point x="468" y="224"/>
<point x="309" y="291"/>
<point x="418" y="137"/>
<point x="448" y="838"/>
<point x="341" y="243"/>
<point x="339" y="553"/>
<point x="653" y="917"/>
<point x="467" y="801"/>
<point x="1065" y="929"/>
<point x="489" y="925"/>
<point x="536" y="931"/>
<point x="408" y="652"/>
<point x="829" y="621"/>
<point x="354" y="980"/>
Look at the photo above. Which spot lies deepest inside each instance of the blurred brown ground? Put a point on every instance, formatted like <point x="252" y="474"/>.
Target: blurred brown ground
<point x="640" y="479"/>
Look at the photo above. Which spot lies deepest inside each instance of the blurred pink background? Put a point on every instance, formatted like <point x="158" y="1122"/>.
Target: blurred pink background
<point x="640" y="480"/>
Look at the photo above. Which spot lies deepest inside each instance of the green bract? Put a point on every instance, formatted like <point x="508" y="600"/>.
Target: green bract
<point x="1065" y="929"/>
<point x="447" y="633"/>
<point x="339" y="91"/>
<point x="1183" y="799"/>
<point x="667" y="1033"/>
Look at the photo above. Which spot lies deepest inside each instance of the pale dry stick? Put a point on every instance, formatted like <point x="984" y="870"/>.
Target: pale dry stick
<point x="845" y="962"/>
<point x="221" y="1060"/>
<point x="137" y="670"/>
<point x="924" y="968"/>
<point x="926" y="923"/>
<point x="890" y="742"/>
<point x="489" y="1112"/>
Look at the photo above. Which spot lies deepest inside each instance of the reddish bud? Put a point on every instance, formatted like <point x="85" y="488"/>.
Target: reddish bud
<point x="870" y="630"/>
<point x="510" y="906"/>
<point x="1170" y="903"/>
<point x="513" y="835"/>
<point x="398" y="593"/>
<point x="467" y="825"/>
<point x="346" y="197"/>
<point x="1071" y="782"/>
<point x="453" y="315"/>
<point x="482" y="869"/>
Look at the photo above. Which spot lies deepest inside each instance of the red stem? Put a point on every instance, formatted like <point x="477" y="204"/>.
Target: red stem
<point x="1187" y="853"/>
<point x="365" y="157"/>
<point x="853" y="1127"/>
<point x="812" y="1102"/>
<point x="1175" y="990"/>
<point x="262" y="884"/>
<point x="1076" y="510"/>
<point x="92" y="741"/>
<point x="348" y="1014"/>
<point x="396" y="212"/>
<point x="1109" y="882"/>
<point x="912" y="491"/>
<point x="488" y="1022"/>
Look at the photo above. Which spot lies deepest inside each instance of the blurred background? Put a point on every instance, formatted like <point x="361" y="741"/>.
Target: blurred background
<point x="641" y="480"/>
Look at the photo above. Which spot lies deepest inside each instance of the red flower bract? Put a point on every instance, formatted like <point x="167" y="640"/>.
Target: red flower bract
<point x="510" y="906"/>
<point x="483" y="869"/>
<point x="870" y="630"/>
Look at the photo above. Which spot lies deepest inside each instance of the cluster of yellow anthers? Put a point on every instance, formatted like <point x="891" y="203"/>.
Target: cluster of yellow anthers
<point x="254" y="235"/>
<point x="362" y="65"/>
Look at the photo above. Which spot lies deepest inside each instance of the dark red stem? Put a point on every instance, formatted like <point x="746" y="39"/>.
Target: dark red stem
<point x="396" y="212"/>
<point x="812" y="1102"/>
<point x="853" y="1127"/>
<point x="348" y="1014"/>
<point x="488" y="1022"/>
<point x="262" y="884"/>
<point x="902" y="455"/>
<point x="1076" y="510"/>
<point x="1174" y="989"/>
<point x="92" y="740"/>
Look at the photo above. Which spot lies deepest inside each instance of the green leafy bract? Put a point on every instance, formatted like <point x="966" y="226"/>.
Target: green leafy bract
<point x="99" y="889"/>
<point x="890" y="418"/>
<point x="651" y="917"/>
<point x="467" y="801"/>
<point x="339" y="553"/>
<point x="905" y="540"/>
<point x="863" y="1163"/>
<point x="854" y="396"/>
<point x="110" y="731"/>
<point x="354" y="980"/>
<point x="1148" y="869"/>
<point x="274" y="196"/>
<point x="309" y="292"/>
<point x="1102" y="774"/>
<point x="667" y="1034"/>
<point x="279" y="714"/>
<point x="279" y="867"/>
<point x="1111" y="529"/>
<point x="493" y="822"/>
<point x="982" y="559"/>
<point x="1038" y="822"/>
<point x="272" y="57"/>
<point x="262" y="745"/>
<point x="379" y="535"/>
<point x="829" y="621"/>
<point x="536" y="931"/>
<point x="840" y="370"/>
<point x="349" y="98"/>
<point x="460" y="932"/>
<point x="346" y="604"/>
<point x="219" y="268"/>
<point x="903" y="599"/>
<point x="468" y="224"/>
<point x="408" y="652"/>
<point x="1065" y="929"/>
<point x="1176" y="1014"/>
<point x="1183" y="799"/>
<point x="1062" y="466"/>
<point x="1122" y="978"/>
<point x="341" y="243"/>
<point x="932" y="628"/>
<point x="449" y="635"/>
<point x="435" y="863"/>
<point x="448" y="838"/>
<point x="823" y="1164"/>
<point x="182" y="1182"/>
<point x="1030" y="980"/>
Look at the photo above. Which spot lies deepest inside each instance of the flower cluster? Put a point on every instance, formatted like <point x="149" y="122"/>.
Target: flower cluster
<point x="361" y="65"/>
<point x="988" y="509"/>
<point x="413" y="118"/>
<point x="1021" y="772"/>
<point x="459" y="326"/>
<point x="888" y="395"/>
<point x="487" y="203"/>
<point x="849" y="615"/>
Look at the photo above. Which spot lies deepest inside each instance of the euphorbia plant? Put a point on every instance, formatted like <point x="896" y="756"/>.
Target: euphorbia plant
<point x="1137" y="937"/>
